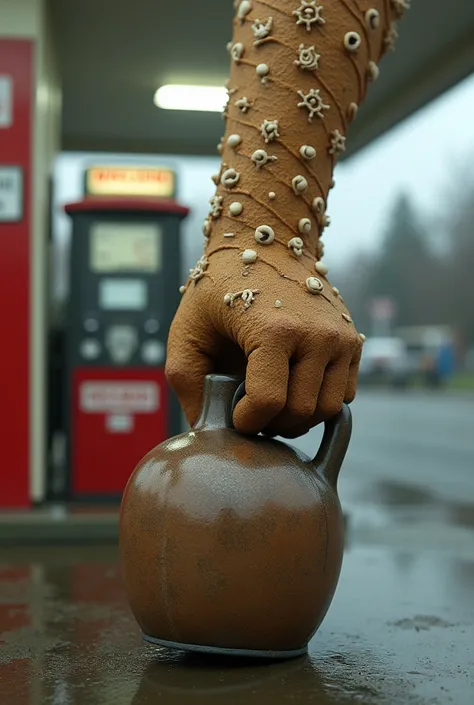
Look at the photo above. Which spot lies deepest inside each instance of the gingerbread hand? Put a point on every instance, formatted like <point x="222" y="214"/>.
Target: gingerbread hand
<point x="291" y="336"/>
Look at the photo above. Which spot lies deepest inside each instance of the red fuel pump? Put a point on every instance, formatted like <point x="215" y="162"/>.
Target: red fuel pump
<point x="122" y="300"/>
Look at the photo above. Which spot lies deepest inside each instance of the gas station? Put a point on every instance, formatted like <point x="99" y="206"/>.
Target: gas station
<point x="90" y="385"/>
<point x="99" y="190"/>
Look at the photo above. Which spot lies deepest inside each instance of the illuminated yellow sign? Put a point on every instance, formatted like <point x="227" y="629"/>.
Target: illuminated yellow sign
<point x="126" y="181"/>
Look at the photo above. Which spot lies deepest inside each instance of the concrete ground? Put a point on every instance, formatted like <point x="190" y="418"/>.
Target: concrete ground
<point x="400" y="629"/>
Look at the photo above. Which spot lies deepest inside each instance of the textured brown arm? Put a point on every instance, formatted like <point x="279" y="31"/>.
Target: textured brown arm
<point x="299" y="72"/>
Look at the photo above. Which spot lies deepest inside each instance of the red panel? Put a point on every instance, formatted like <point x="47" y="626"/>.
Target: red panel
<point x="106" y="447"/>
<point x="16" y="60"/>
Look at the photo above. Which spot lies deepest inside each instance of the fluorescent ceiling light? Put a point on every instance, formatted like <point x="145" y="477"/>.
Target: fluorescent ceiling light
<point x="203" y="98"/>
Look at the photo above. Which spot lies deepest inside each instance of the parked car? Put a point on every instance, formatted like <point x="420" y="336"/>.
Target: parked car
<point x="385" y="360"/>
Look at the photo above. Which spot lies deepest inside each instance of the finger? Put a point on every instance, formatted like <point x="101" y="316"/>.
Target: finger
<point x="333" y="390"/>
<point x="266" y="387"/>
<point x="306" y="377"/>
<point x="353" y="375"/>
<point x="186" y="368"/>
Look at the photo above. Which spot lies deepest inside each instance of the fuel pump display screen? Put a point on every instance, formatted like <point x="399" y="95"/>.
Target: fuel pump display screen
<point x="119" y="247"/>
<point x="123" y="294"/>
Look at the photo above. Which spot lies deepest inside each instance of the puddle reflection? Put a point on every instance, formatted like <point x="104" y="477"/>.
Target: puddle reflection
<point x="68" y="638"/>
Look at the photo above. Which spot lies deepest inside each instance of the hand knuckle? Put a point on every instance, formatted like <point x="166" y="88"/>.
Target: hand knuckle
<point x="332" y="335"/>
<point x="349" y="339"/>
<point x="280" y="331"/>
<point x="358" y="351"/>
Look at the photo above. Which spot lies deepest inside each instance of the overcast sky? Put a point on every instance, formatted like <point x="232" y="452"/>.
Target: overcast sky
<point x="418" y="157"/>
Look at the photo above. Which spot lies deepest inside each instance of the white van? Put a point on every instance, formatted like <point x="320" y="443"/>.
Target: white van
<point x="385" y="359"/>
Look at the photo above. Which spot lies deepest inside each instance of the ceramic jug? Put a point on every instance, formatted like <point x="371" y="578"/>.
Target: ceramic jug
<point x="233" y="544"/>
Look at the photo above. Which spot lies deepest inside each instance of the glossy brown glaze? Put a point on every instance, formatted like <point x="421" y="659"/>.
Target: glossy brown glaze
<point x="233" y="542"/>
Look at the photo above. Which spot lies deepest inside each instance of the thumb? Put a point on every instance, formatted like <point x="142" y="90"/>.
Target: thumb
<point x="187" y="365"/>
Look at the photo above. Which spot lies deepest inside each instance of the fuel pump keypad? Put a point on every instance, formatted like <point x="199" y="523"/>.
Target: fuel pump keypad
<point x="151" y="326"/>
<point x="153" y="352"/>
<point x="123" y="343"/>
<point x="90" y="349"/>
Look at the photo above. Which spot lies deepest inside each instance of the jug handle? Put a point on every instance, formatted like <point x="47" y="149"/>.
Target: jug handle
<point x="333" y="448"/>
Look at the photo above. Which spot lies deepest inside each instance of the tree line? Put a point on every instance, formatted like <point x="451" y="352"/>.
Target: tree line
<point x="427" y="268"/>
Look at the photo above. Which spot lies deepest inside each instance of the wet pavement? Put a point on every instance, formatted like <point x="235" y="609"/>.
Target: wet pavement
<point x="409" y="475"/>
<point x="400" y="629"/>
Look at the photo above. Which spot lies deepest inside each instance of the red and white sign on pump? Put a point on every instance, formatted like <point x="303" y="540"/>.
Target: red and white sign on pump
<point x="128" y="181"/>
<point x="119" y="397"/>
<point x="118" y="415"/>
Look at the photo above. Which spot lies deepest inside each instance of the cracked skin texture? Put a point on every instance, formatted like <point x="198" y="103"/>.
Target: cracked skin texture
<point x="300" y="360"/>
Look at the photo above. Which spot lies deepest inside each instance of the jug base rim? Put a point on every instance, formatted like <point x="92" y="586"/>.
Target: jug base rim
<point x="221" y="651"/>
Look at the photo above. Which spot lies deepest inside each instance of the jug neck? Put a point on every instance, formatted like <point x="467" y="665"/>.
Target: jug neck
<point x="217" y="401"/>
